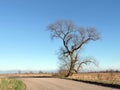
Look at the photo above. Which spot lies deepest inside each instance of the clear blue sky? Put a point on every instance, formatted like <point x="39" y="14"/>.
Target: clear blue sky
<point x="25" y="43"/>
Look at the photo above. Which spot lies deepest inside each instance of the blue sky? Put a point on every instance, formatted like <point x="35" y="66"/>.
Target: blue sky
<point x="25" y="43"/>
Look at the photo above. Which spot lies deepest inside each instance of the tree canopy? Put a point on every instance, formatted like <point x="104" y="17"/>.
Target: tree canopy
<point x="73" y="39"/>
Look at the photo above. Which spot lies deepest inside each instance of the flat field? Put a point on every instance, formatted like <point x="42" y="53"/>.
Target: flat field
<point x="109" y="78"/>
<point x="25" y="75"/>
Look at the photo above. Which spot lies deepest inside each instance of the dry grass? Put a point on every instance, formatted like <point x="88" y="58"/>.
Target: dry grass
<point x="110" y="78"/>
<point x="25" y="75"/>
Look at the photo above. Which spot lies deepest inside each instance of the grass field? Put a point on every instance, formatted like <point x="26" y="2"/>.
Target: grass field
<point x="25" y="75"/>
<point x="11" y="84"/>
<point x="109" y="78"/>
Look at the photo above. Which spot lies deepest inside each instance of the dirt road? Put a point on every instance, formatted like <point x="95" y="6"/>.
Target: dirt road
<point x="59" y="84"/>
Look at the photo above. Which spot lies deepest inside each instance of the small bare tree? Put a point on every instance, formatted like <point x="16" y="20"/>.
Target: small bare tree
<point x="73" y="39"/>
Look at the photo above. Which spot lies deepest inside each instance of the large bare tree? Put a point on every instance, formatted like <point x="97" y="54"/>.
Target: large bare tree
<point x="73" y="39"/>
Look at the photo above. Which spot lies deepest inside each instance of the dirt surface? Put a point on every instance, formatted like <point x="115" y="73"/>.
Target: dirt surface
<point x="59" y="84"/>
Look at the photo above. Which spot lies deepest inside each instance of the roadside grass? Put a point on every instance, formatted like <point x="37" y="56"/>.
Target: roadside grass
<point x="103" y="79"/>
<point x="11" y="84"/>
<point x="107" y="78"/>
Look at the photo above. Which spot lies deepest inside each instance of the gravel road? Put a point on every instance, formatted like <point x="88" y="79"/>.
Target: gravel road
<point x="59" y="84"/>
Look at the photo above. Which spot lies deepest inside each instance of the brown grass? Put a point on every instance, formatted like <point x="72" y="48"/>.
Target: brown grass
<point x="110" y="78"/>
<point x="25" y="75"/>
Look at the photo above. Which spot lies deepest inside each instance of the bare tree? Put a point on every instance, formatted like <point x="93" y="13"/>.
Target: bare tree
<point x="65" y="64"/>
<point x="73" y="39"/>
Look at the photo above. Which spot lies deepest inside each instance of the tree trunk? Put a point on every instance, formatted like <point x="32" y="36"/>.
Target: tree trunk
<point x="71" y="70"/>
